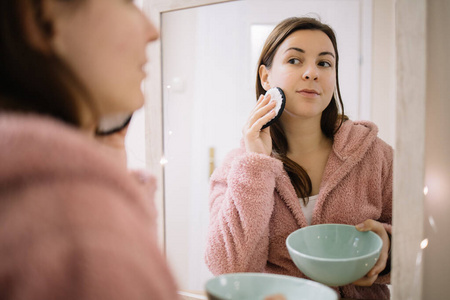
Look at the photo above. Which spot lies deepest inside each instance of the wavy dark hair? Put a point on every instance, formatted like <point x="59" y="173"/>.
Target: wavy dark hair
<point x="30" y="80"/>
<point x="332" y="117"/>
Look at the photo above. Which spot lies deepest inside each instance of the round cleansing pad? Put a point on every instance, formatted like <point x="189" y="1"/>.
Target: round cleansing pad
<point x="277" y="95"/>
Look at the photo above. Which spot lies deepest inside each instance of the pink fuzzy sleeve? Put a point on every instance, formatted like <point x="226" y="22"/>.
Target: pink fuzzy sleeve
<point x="241" y="205"/>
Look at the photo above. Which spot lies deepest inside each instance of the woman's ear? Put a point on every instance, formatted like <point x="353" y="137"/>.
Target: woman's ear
<point x="37" y="25"/>
<point x="264" y="77"/>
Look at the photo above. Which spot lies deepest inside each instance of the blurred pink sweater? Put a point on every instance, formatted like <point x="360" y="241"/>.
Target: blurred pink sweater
<point x="254" y="206"/>
<point x="74" y="223"/>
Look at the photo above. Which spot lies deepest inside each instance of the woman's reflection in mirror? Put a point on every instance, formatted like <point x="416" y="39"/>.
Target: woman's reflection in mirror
<point x="312" y="166"/>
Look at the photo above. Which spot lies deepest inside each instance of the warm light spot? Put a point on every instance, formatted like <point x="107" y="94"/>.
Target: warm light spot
<point x="170" y="132"/>
<point x="168" y="87"/>
<point x="432" y="223"/>
<point x="163" y="161"/>
<point x="424" y="244"/>
<point x="425" y="190"/>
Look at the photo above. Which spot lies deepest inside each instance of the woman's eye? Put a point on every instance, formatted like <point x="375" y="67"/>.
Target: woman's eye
<point x="294" y="61"/>
<point x="325" y="64"/>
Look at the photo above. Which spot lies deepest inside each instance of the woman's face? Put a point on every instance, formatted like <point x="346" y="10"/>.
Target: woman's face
<point x="104" y="42"/>
<point x="304" y="66"/>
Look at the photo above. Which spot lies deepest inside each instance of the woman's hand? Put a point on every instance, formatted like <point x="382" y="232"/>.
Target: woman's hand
<point x="257" y="140"/>
<point x="378" y="228"/>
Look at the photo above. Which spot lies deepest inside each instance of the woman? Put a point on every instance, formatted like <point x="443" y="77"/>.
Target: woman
<point x="311" y="166"/>
<point x="74" y="223"/>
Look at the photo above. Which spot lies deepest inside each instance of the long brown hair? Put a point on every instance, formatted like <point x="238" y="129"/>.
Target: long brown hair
<point x="332" y="118"/>
<point x="32" y="81"/>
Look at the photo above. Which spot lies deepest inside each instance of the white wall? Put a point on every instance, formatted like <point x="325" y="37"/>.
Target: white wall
<point x="135" y="141"/>
<point x="383" y="69"/>
<point x="179" y="99"/>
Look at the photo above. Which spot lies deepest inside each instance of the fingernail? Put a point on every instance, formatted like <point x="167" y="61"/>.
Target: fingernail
<point x="360" y="226"/>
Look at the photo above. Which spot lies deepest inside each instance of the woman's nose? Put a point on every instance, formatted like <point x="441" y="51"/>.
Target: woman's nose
<point x="151" y="32"/>
<point x="310" y="73"/>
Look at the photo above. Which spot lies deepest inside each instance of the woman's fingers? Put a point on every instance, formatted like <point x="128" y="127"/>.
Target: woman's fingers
<point x="263" y="114"/>
<point x="258" y="105"/>
<point x="257" y="140"/>
<point x="261" y="109"/>
<point x="256" y="127"/>
<point x="380" y="265"/>
<point x="366" y="280"/>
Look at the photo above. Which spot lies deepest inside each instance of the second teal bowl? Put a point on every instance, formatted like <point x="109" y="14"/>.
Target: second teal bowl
<point x="334" y="254"/>
<point x="259" y="286"/>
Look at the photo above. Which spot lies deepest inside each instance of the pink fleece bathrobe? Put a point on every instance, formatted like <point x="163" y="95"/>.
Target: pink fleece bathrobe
<point x="254" y="206"/>
<point x="74" y="223"/>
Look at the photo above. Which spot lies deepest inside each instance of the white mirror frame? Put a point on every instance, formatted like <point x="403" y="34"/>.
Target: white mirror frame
<point x="408" y="216"/>
<point x="409" y="165"/>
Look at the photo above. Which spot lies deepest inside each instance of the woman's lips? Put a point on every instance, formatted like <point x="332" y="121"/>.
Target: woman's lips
<point x="308" y="93"/>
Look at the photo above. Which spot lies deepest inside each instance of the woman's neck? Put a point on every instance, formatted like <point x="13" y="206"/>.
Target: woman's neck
<point x="110" y="134"/>
<point x="305" y="136"/>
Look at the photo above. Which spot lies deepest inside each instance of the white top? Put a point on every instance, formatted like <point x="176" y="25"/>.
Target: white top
<point x="308" y="209"/>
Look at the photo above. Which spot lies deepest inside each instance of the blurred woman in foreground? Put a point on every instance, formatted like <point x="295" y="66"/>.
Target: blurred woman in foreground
<point x="74" y="223"/>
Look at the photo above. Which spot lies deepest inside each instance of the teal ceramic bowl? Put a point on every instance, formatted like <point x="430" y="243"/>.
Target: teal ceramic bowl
<point x="334" y="254"/>
<point x="258" y="286"/>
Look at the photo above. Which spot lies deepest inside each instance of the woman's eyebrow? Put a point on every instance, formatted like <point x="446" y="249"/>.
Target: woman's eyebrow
<point x="296" y="49"/>
<point x="326" y="53"/>
<point x="303" y="51"/>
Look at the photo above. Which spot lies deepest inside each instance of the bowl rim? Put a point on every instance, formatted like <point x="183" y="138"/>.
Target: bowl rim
<point x="269" y="275"/>
<point x="374" y="252"/>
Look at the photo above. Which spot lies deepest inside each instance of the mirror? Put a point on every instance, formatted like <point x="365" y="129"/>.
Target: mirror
<point x="209" y="56"/>
<point x="381" y="81"/>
